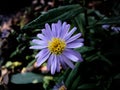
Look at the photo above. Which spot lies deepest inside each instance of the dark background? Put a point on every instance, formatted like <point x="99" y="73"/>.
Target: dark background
<point x="11" y="6"/>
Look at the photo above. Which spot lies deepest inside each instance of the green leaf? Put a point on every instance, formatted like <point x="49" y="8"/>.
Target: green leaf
<point x="53" y="15"/>
<point x="64" y="76"/>
<point x="46" y="82"/>
<point x="117" y="76"/>
<point x="80" y="21"/>
<point x="31" y="63"/>
<point x="84" y="49"/>
<point x="91" y="57"/>
<point x="72" y="75"/>
<point x="87" y="86"/>
<point x="103" y="58"/>
<point x="19" y="49"/>
<point x="26" y="78"/>
<point x="113" y="20"/>
<point x="95" y="12"/>
<point x="75" y="83"/>
<point x="13" y="53"/>
<point x="8" y="64"/>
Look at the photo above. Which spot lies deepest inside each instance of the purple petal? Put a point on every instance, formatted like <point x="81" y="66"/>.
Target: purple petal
<point x="62" y="29"/>
<point x="78" y="55"/>
<point x="59" y="23"/>
<point x="105" y="26"/>
<point x="119" y="28"/>
<point x="49" y="62"/>
<point x="77" y="41"/>
<point x="62" y="62"/>
<point x="38" y="47"/>
<point x="54" y="65"/>
<point x="71" y="54"/>
<point x="47" y="27"/>
<point x="39" y="42"/>
<point x="58" y="28"/>
<point x="46" y="34"/>
<point x="43" y="58"/>
<point x="41" y="36"/>
<point x="67" y="61"/>
<point x="43" y="51"/>
<point x="63" y="25"/>
<point x="73" y="38"/>
<point x="66" y="29"/>
<point x="48" y="30"/>
<point x="115" y="29"/>
<point x="54" y="30"/>
<point x="70" y="33"/>
<point x="58" y="64"/>
<point x="74" y="45"/>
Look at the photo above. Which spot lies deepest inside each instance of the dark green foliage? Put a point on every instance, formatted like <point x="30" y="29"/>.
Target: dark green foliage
<point x="61" y="13"/>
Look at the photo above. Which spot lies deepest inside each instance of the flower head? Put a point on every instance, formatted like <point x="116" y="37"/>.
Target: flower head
<point x="56" y="44"/>
<point x="60" y="86"/>
<point x="110" y="27"/>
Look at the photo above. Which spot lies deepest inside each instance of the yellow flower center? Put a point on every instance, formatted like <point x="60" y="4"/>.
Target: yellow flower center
<point x="56" y="46"/>
<point x="62" y="88"/>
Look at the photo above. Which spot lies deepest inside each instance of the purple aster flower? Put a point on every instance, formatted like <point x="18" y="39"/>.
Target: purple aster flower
<point x="113" y="28"/>
<point x="60" y="86"/>
<point x="56" y="44"/>
<point x="116" y="29"/>
<point x="105" y="26"/>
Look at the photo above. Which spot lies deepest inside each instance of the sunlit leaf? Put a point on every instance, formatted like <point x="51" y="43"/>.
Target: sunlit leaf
<point x="26" y="78"/>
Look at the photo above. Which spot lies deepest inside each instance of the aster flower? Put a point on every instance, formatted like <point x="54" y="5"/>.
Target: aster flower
<point x="106" y="27"/>
<point x="56" y="44"/>
<point x="60" y="86"/>
<point x="113" y="28"/>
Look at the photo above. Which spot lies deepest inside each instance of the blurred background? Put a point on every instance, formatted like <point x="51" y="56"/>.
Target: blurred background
<point x="101" y="51"/>
<point x="9" y="7"/>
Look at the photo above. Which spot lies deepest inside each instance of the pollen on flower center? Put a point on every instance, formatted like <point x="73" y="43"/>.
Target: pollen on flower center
<point x="56" y="46"/>
<point x="62" y="88"/>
